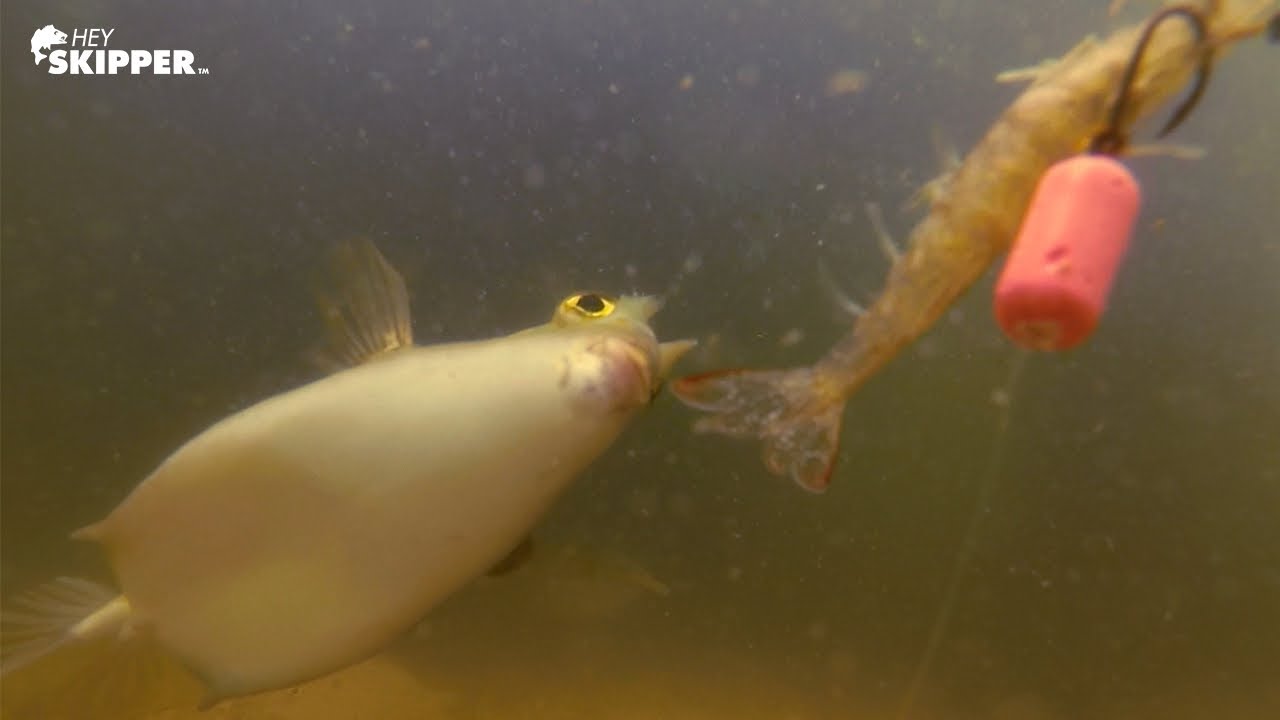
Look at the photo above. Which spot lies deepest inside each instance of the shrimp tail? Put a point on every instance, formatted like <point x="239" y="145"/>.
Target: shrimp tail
<point x="787" y="410"/>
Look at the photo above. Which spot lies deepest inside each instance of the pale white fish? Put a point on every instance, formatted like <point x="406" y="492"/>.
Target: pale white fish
<point x="306" y="532"/>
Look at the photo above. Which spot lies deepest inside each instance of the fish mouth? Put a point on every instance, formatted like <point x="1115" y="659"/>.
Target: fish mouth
<point x="638" y="362"/>
<point x="611" y="374"/>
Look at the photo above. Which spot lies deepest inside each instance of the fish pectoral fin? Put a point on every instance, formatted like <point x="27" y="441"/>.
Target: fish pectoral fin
<point x="92" y="532"/>
<point x="514" y="560"/>
<point x="364" y="305"/>
<point x="595" y="563"/>
<point x="669" y="353"/>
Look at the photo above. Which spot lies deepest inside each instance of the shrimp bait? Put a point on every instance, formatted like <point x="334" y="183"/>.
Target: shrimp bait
<point x="974" y="216"/>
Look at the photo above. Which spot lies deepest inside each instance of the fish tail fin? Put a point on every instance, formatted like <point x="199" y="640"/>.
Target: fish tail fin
<point x="793" y="413"/>
<point x="40" y="621"/>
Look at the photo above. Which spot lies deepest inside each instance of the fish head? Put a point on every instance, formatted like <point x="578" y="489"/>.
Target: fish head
<point x="620" y="360"/>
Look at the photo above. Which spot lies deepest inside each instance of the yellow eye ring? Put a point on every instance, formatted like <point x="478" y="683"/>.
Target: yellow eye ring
<point x="591" y="305"/>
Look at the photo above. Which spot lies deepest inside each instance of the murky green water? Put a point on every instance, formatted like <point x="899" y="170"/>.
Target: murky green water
<point x="159" y="241"/>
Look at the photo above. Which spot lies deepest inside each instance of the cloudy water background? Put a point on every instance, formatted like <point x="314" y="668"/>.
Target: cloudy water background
<point x="160" y="236"/>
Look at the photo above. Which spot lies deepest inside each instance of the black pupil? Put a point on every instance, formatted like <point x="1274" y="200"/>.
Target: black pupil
<point x="591" y="303"/>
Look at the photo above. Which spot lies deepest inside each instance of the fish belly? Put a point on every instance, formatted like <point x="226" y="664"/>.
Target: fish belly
<point x="308" y="531"/>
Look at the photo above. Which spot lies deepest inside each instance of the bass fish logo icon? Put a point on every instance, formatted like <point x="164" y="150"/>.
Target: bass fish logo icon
<point x="45" y="38"/>
<point x="88" y="52"/>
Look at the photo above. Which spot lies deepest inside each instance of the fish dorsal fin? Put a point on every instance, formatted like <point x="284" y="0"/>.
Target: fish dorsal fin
<point x="670" y="352"/>
<point x="364" y="305"/>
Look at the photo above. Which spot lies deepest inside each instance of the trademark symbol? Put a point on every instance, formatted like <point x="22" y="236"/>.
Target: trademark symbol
<point x="202" y="71"/>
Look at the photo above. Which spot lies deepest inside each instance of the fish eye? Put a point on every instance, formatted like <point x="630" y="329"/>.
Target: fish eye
<point x="590" y="305"/>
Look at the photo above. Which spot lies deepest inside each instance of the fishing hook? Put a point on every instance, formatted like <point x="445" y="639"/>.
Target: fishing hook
<point x="1113" y="139"/>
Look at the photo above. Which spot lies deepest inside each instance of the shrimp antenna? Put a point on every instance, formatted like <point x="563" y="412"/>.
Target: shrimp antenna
<point x="1112" y="139"/>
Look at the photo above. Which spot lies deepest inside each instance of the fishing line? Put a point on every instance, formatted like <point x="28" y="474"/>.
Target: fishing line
<point x="968" y="546"/>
